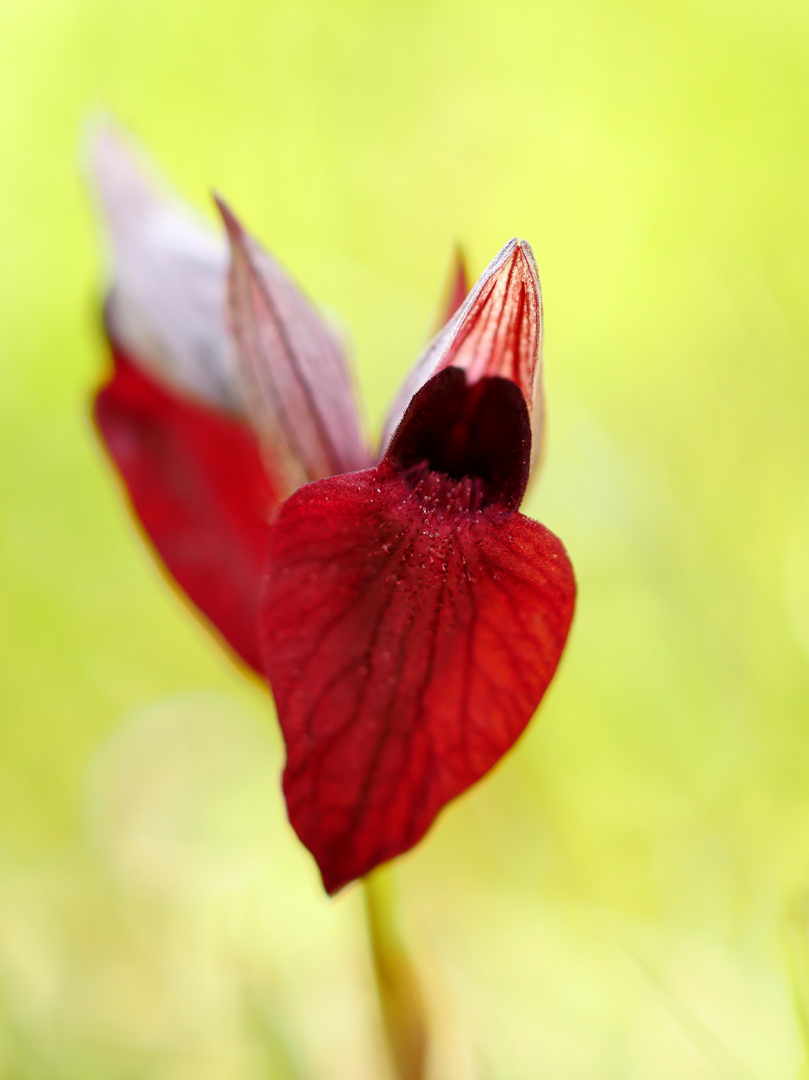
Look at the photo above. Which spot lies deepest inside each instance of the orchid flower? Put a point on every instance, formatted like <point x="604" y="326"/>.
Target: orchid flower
<point x="407" y="617"/>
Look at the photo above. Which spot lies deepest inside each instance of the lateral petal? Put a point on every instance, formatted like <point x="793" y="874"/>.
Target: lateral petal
<point x="166" y="304"/>
<point x="496" y="331"/>
<point x="298" y="388"/>
<point x="197" y="486"/>
<point x="408" y="642"/>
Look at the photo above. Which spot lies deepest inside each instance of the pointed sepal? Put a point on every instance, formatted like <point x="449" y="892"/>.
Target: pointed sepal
<point x="167" y="271"/>
<point x="457" y="287"/>
<point x="298" y="388"/>
<point x="497" y="331"/>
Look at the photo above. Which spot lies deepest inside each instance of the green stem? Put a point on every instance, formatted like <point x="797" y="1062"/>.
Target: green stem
<point x="400" y="1000"/>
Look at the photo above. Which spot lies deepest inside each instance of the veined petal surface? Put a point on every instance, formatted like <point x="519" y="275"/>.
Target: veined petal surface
<point x="198" y="487"/>
<point x="497" y="331"/>
<point x="298" y="387"/>
<point x="411" y="623"/>
<point x="166" y="304"/>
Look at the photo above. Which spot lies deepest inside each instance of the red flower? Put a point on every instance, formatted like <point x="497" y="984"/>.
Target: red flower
<point x="407" y="616"/>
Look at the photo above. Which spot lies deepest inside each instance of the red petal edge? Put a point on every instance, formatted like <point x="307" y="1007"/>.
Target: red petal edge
<point x="198" y="488"/>
<point x="408" y="642"/>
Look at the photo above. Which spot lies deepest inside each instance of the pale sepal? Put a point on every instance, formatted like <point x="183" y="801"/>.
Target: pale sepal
<point x="166" y="300"/>
<point x="298" y="389"/>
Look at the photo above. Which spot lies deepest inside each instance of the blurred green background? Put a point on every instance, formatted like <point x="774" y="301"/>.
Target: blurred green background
<point x="624" y="898"/>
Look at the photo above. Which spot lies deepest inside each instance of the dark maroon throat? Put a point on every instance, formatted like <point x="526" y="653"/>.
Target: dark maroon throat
<point x="474" y="442"/>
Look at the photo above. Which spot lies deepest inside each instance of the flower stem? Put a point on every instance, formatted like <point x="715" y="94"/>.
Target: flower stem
<point x="400" y="999"/>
